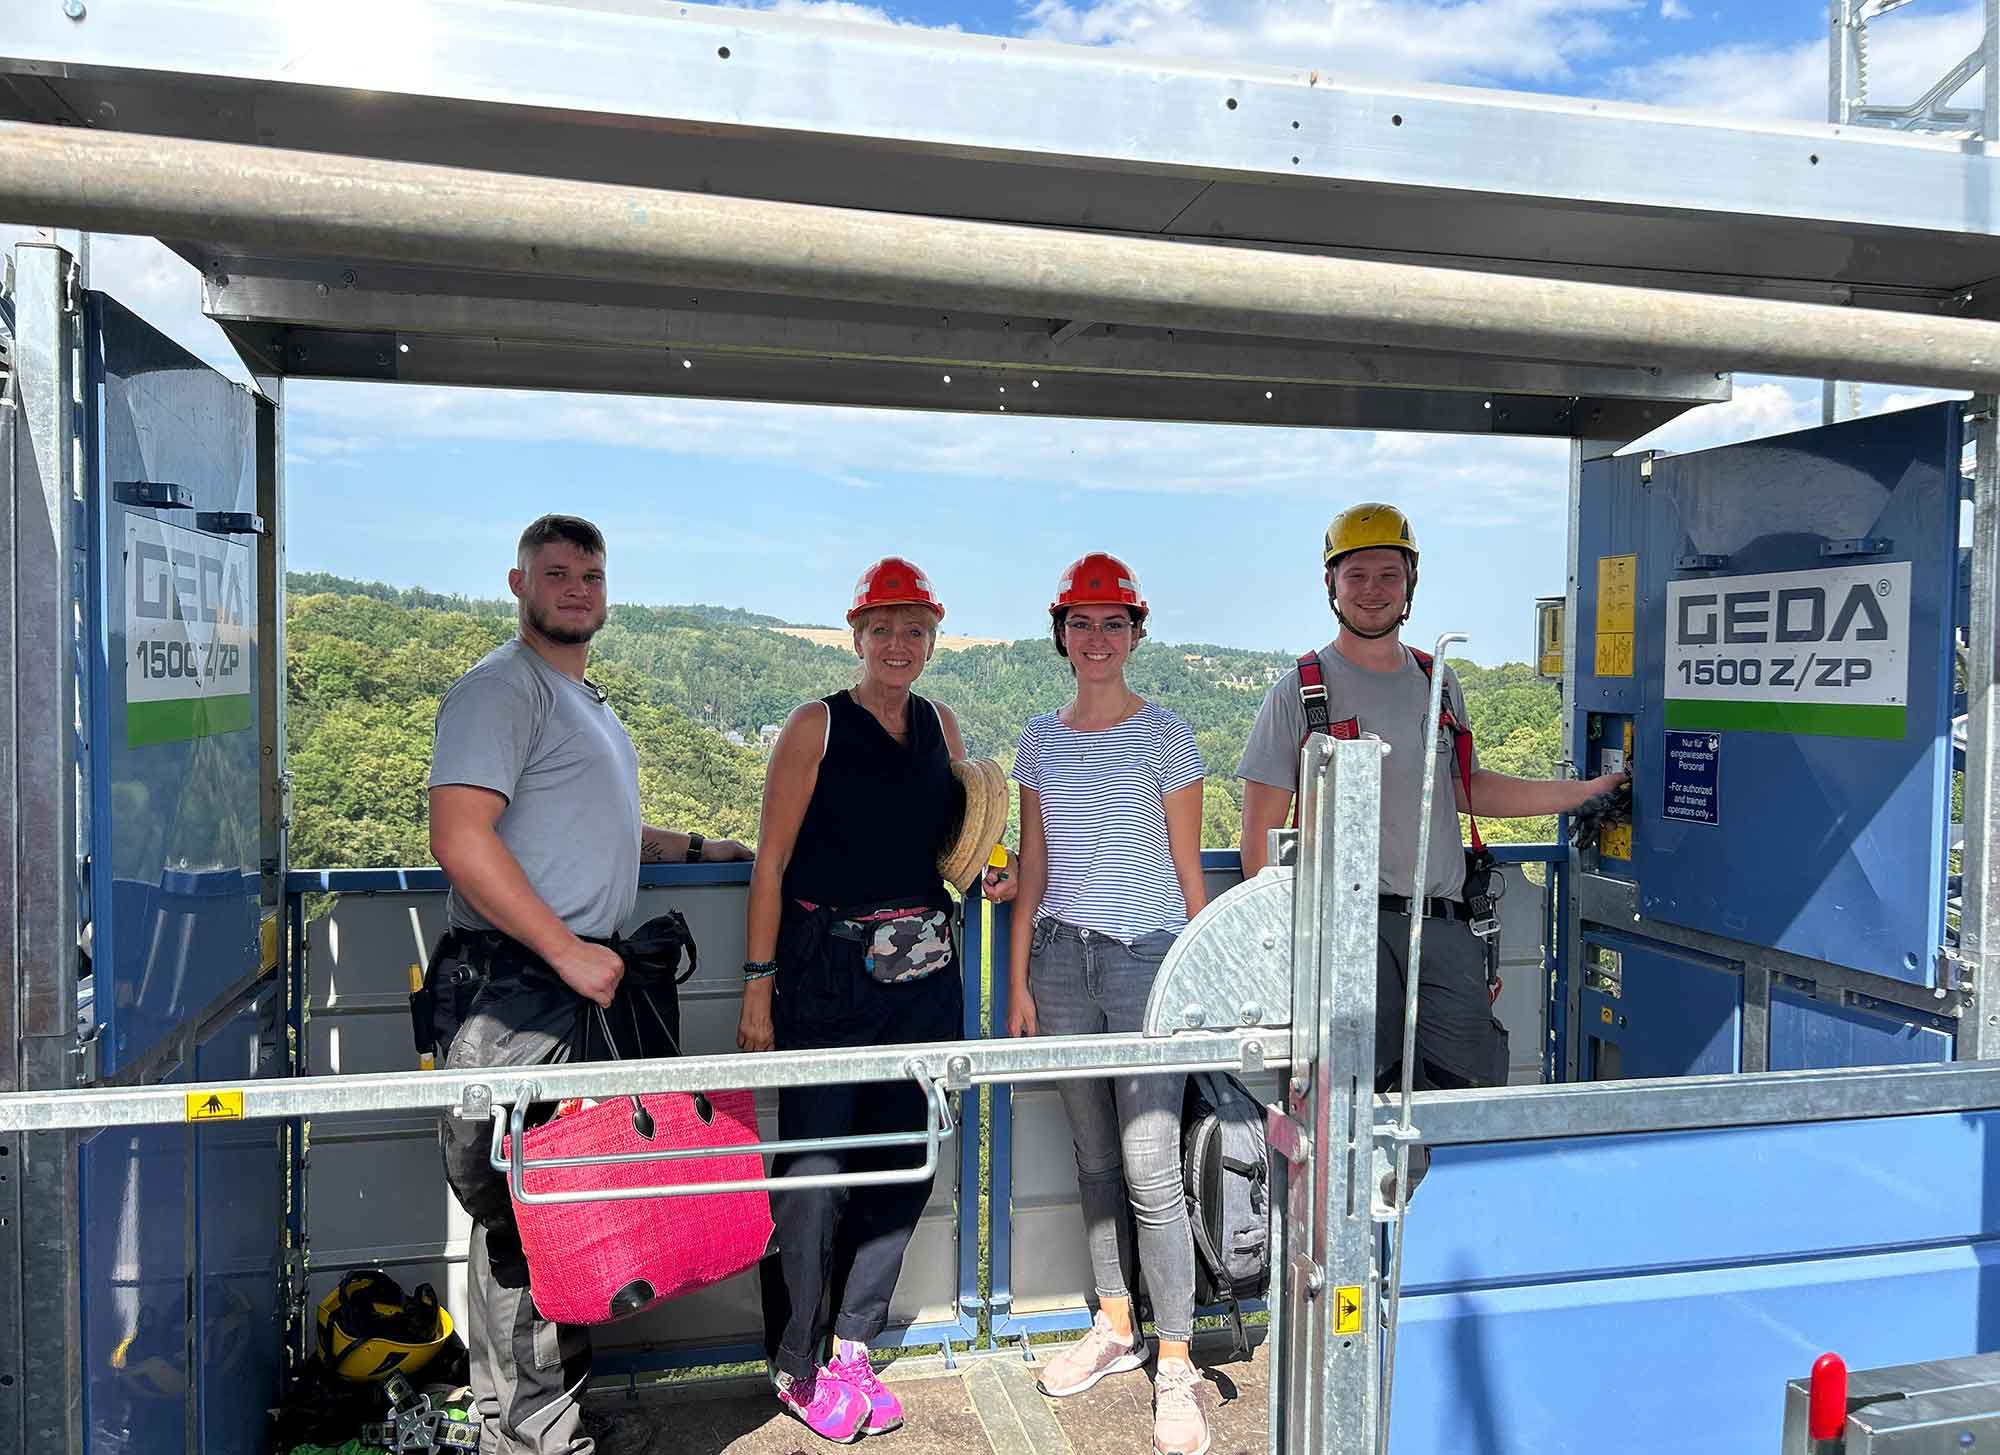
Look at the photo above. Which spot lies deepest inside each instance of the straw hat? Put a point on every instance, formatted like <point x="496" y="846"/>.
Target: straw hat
<point x="980" y="822"/>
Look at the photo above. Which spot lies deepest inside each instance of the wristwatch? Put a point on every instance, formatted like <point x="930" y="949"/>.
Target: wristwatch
<point x="695" y="841"/>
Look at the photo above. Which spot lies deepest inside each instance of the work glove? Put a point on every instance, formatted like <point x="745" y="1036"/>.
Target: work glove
<point x="1593" y="813"/>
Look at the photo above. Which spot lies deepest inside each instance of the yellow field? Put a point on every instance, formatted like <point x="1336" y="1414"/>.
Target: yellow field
<point x="825" y="636"/>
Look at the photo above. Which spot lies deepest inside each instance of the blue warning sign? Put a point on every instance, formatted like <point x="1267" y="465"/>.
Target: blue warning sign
<point x="1694" y="776"/>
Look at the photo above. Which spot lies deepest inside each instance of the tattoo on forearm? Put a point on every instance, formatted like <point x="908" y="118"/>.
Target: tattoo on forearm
<point x="652" y="851"/>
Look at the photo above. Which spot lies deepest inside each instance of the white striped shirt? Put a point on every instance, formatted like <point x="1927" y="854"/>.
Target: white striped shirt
<point x="1104" y="819"/>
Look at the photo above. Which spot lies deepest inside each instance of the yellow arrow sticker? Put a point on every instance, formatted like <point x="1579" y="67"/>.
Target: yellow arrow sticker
<point x="215" y="1106"/>
<point x="1604" y="1014"/>
<point x="1347" y="1309"/>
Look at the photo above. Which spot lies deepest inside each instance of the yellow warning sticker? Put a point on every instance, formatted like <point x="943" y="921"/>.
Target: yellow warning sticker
<point x="215" y="1106"/>
<point x="1549" y="639"/>
<point x="1604" y="1014"/>
<point x="1347" y="1309"/>
<point x="1617" y="603"/>
<point x="1614" y="841"/>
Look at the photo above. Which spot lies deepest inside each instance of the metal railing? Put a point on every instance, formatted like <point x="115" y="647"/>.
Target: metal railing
<point x="509" y="1156"/>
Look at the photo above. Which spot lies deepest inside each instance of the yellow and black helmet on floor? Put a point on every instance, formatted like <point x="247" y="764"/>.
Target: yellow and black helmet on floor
<point x="369" y="1329"/>
<point x="1365" y="526"/>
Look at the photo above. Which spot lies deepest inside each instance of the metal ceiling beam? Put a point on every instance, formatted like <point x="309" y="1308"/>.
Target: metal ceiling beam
<point x="403" y="307"/>
<point x="264" y="198"/>
<point x="498" y="363"/>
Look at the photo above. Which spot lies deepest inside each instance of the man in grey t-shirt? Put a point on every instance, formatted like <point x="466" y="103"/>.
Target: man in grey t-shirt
<point x="1375" y="686"/>
<point x="535" y="818"/>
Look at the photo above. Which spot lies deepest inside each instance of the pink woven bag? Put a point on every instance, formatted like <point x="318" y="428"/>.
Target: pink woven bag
<point x="595" y="1262"/>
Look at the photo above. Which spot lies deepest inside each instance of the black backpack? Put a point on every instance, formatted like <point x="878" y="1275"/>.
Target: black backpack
<point x="1226" y="1164"/>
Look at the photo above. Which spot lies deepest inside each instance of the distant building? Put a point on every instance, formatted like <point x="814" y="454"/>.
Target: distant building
<point x="733" y="738"/>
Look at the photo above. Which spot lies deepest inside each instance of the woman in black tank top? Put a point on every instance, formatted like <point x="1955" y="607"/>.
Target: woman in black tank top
<point x="859" y="800"/>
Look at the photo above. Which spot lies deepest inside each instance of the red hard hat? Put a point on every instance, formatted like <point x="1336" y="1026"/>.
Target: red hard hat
<point x="893" y="581"/>
<point x="1098" y="580"/>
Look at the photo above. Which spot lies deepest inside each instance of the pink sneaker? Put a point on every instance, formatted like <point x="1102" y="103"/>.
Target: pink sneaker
<point x="1089" y="1359"/>
<point x="827" y="1405"/>
<point x="885" y="1411"/>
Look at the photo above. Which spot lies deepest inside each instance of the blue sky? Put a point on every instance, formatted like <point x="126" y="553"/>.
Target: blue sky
<point x="429" y="487"/>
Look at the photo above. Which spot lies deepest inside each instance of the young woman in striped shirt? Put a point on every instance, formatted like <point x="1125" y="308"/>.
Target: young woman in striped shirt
<point x="1110" y="874"/>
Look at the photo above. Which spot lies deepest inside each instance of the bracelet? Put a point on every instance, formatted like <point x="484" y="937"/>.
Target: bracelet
<point x="695" y="841"/>
<point x="759" y="969"/>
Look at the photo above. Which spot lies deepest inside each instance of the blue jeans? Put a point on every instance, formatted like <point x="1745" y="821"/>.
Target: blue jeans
<point x="1127" y="1129"/>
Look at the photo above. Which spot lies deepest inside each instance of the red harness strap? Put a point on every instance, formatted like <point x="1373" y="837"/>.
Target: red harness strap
<point x="1461" y="745"/>
<point x="1312" y="698"/>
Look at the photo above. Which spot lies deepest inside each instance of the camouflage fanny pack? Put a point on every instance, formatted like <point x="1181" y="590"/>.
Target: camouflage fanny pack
<point x="900" y="943"/>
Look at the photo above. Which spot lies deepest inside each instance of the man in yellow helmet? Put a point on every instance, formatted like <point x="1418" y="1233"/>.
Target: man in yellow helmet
<point x="1366" y="681"/>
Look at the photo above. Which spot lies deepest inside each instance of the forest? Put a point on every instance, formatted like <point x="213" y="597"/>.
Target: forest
<point x="701" y="689"/>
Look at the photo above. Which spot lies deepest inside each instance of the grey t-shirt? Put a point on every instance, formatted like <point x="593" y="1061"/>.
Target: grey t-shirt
<point x="1390" y="706"/>
<point x="516" y="725"/>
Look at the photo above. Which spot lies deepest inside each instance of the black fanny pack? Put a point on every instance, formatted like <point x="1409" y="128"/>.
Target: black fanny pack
<point x="900" y="943"/>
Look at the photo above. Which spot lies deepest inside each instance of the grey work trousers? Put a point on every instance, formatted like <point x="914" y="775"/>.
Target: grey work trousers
<point x="527" y="1373"/>
<point x="1459" y="1043"/>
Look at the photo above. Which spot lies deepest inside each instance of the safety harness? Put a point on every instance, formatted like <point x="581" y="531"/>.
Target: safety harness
<point x="1479" y="862"/>
<point x="1312" y="697"/>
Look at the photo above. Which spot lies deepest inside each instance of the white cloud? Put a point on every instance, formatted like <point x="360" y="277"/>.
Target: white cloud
<point x="1764" y="407"/>
<point x="1908" y="52"/>
<point x="1755" y="411"/>
<point x="157" y="285"/>
<point x="842" y="10"/>
<point x="1675" y="10"/>
<point x="1491" y="41"/>
<point x="1471" y="479"/>
<point x="1890" y="402"/>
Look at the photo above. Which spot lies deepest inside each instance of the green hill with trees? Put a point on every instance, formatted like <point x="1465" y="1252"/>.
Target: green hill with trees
<point x="699" y="687"/>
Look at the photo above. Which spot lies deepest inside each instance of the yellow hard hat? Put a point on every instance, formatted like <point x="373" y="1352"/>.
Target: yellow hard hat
<point x="1361" y="527"/>
<point x="369" y="1329"/>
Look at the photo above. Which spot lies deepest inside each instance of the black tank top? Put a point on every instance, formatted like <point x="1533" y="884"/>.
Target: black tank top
<point x="880" y="812"/>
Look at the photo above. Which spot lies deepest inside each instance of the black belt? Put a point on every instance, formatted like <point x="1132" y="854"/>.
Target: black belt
<point x="499" y="953"/>
<point x="1433" y="908"/>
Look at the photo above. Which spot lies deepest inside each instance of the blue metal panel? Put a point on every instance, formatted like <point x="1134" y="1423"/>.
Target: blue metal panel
<point x="1658" y="1202"/>
<point x="239" y="1216"/>
<point x="1673" y="1363"/>
<point x="173" y="631"/>
<point x="1652" y="1293"/>
<point x="1842" y="835"/>
<point x="1808" y="1035"/>
<point x="1677" y="1014"/>
<point x="133" y="1206"/>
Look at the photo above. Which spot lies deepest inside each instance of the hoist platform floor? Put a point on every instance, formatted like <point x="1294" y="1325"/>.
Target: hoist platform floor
<point x="987" y="1406"/>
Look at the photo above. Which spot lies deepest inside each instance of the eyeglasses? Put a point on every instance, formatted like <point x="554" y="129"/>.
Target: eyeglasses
<point x="1113" y="629"/>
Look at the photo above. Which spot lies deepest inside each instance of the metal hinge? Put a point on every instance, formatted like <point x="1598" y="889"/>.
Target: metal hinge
<point x="229" y="522"/>
<point x="1954" y="976"/>
<point x="85" y="1052"/>
<point x="153" y="494"/>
